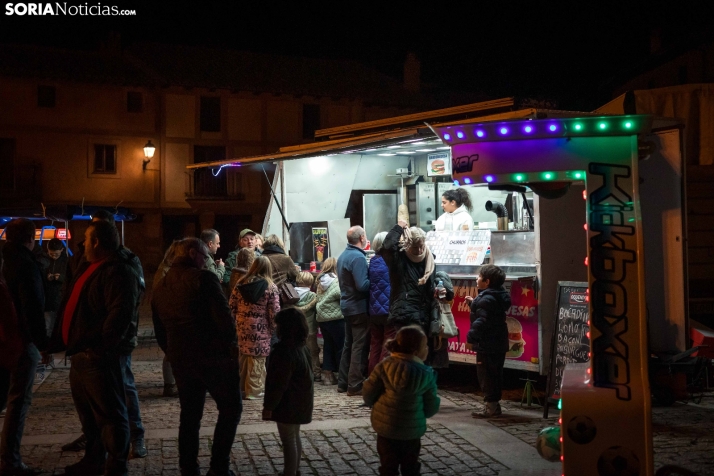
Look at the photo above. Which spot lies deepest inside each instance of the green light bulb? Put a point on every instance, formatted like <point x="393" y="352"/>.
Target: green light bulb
<point x="519" y="177"/>
<point x="548" y="176"/>
<point x="603" y="125"/>
<point x="560" y="404"/>
<point x="578" y="175"/>
<point x="628" y="125"/>
<point x="578" y="127"/>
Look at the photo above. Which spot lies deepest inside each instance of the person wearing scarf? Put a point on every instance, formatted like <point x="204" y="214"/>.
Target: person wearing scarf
<point x="411" y="273"/>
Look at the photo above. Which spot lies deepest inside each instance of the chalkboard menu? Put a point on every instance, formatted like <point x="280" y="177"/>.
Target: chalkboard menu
<point x="571" y="342"/>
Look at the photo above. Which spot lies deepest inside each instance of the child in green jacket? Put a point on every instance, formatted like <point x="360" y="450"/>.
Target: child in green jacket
<point x="402" y="393"/>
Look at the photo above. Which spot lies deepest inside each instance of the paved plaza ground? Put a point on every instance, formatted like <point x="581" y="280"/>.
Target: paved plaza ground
<point x="340" y="439"/>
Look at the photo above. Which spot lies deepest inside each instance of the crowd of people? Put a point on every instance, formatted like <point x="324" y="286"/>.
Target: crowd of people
<point x="241" y="330"/>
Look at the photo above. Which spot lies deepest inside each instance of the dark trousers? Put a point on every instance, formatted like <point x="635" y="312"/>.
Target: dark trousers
<point x="221" y="378"/>
<point x="353" y="365"/>
<point x="16" y="390"/>
<point x="333" y="341"/>
<point x="380" y="333"/>
<point x="97" y="385"/>
<point x="489" y="369"/>
<point x="396" y="453"/>
<point x="136" y="429"/>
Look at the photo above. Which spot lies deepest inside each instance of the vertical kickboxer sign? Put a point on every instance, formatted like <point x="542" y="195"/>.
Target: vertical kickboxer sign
<point x="612" y="254"/>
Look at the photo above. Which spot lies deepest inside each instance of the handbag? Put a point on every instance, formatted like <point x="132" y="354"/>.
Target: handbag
<point x="287" y="293"/>
<point x="448" y="327"/>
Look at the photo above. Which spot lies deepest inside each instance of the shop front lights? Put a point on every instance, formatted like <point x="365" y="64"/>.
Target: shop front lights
<point x="456" y="182"/>
<point x="602" y="126"/>
<point x="528" y="129"/>
<point x="578" y="175"/>
<point x="552" y="128"/>
<point x="519" y="178"/>
<point x="503" y="131"/>
<point x="447" y="136"/>
<point x="489" y="178"/>
<point x="548" y="176"/>
<point x="480" y="133"/>
<point x="460" y="135"/>
<point x="628" y="125"/>
<point x="467" y="181"/>
<point x="578" y="127"/>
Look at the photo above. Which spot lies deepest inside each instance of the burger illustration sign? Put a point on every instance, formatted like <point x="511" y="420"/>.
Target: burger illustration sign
<point x="438" y="164"/>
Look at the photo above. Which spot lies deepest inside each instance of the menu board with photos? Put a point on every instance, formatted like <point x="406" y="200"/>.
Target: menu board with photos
<point x="462" y="247"/>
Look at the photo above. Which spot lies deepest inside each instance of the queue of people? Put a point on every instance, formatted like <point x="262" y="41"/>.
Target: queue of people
<point x="254" y="340"/>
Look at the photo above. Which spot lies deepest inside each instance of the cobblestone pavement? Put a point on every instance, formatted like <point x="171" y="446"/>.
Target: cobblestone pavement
<point x="329" y="452"/>
<point x="682" y="432"/>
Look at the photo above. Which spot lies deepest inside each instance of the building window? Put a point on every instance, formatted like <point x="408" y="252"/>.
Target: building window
<point x="46" y="96"/>
<point x="210" y="114"/>
<point x="205" y="184"/>
<point x="310" y="120"/>
<point x="7" y="164"/>
<point x="105" y="159"/>
<point x="134" y="101"/>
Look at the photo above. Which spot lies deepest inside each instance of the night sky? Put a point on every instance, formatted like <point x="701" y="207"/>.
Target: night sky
<point x="568" y="52"/>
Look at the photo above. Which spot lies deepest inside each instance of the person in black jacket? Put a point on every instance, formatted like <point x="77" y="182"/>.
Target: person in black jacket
<point x="98" y="311"/>
<point x="488" y="335"/>
<point x="54" y="272"/>
<point x="195" y="328"/>
<point x="411" y="274"/>
<point x="24" y="281"/>
<point x="289" y="391"/>
<point x="128" y="344"/>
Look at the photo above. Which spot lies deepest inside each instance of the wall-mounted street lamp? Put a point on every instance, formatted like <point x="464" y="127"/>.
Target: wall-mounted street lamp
<point x="149" y="150"/>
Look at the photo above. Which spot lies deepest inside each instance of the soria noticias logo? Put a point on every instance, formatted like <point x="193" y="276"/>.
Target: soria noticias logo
<point x="66" y="9"/>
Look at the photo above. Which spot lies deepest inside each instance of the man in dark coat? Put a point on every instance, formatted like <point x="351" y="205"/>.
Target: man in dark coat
<point x="128" y="344"/>
<point x="24" y="281"/>
<point x="195" y="328"/>
<point x="354" y="302"/>
<point x="97" y="315"/>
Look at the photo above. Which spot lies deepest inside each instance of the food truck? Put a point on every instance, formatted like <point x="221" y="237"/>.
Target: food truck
<point x="359" y="174"/>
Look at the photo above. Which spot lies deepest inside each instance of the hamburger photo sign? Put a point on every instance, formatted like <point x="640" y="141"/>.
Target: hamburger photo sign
<point x="438" y="164"/>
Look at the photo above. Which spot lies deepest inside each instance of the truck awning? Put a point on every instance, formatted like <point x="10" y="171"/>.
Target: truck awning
<point x="339" y="146"/>
<point x="367" y="141"/>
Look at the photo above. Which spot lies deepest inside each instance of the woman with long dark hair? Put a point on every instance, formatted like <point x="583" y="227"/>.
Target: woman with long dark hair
<point x="456" y="204"/>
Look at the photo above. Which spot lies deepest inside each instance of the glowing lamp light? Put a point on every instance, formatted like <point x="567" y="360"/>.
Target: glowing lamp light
<point x="460" y="135"/>
<point x="578" y="127"/>
<point x="528" y="129"/>
<point x="585" y="194"/>
<point x="447" y="136"/>
<point x="628" y="125"/>
<point x="149" y="150"/>
<point x="456" y="182"/>
<point x="589" y="371"/>
<point x="552" y="128"/>
<point x="480" y="133"/>
<point x="489" y="178"/>
<point x="519" y="178"/>
<point x="588" y="334"/>
<point x="548" y="176"/>
<point x="585" y="226"/>
<point x="503" y="130"/>
<point x="602" y="126"/>
<point x="560" y="404"/>
<point x="586" y="261"/>
<point x="467" y="181"/>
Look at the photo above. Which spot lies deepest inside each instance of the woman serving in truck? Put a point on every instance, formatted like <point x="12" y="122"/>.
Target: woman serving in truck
<point x="456" y="204"/>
